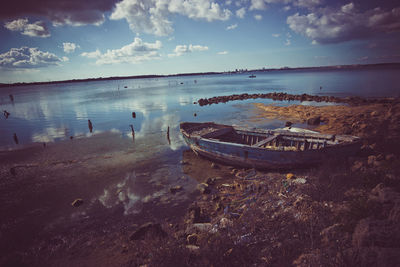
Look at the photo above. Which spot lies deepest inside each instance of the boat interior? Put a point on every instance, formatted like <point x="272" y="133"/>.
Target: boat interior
<point x="268" y="139"/>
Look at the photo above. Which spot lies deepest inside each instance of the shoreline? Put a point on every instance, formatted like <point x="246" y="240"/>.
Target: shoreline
<point x="318" y="68"/>
<point x="344" y="212"/>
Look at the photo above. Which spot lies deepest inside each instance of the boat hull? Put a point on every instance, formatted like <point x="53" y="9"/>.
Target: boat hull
<point x="261" y="158"/>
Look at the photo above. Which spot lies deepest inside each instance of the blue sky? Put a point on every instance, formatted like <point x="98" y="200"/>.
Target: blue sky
<point x="47" y="40"/>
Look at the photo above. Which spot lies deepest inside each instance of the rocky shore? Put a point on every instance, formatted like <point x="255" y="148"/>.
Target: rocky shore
<point x="290" y="97"/>
<point x="342" y="213"/>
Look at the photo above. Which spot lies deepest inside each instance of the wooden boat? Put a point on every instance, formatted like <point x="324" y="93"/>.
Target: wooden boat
<point x="265" y="149"/>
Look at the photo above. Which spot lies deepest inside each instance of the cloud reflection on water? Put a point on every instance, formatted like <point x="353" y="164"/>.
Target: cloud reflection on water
<point x="135" y="190"/>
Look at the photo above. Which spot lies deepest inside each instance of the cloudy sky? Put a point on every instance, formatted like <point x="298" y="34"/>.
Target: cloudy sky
<point x="46" y="40"/>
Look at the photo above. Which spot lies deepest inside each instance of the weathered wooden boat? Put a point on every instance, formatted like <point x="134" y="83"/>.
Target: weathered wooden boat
<point x="265" y="149"/>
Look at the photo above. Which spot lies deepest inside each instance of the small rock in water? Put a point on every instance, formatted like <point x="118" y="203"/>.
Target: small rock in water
<point x="175" y="189"/>
<point x="203" y="188"/>
<point x="288" y="124"/>
<point x="77" y="202"/>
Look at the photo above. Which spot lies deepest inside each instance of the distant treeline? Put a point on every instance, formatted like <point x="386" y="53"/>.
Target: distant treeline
<point x="320" y="68"/>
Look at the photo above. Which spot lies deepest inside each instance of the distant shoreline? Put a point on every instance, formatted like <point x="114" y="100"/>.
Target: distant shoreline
<point x="320" y="68"/>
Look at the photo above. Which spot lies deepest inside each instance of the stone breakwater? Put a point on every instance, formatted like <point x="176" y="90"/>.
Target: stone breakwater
<point x="290" y="97"/>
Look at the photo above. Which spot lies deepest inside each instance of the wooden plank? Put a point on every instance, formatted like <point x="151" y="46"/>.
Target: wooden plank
<point x="217" y="133"/>
<point x="266" y="140"/>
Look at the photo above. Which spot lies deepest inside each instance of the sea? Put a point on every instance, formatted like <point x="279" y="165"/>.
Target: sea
<point x="53" y="112"/>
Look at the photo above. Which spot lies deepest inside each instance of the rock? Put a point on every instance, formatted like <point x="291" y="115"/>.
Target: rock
<point x="153" y="229"/>
<point x="204" y="188"/>
<point x="374" y="256"/>
<point x="195" y="214"/>
<point x="211" y="180"/>
<point x="192" y="239"/>
<point x="225" y="223"/>
<point x="384" y="194"/>
<point x="202" y="227"/>
<point x="77" y="202"/>
<point x="376" y="233"/>
<point x="390" y="157"/>
<point x="214" y="166"/>
<point x="394" y="214"/>
<point x="219" y="206"/>
<point x="357" y="166"/>
<point x="192" y="247"/>
<point x="288" y="124"/>
<point x="175" y="189"/>
<point x="332" y="234"/>
<point x="373" y="161"/>
<point x="314" y="120"/>
<point x="299" y="181"/>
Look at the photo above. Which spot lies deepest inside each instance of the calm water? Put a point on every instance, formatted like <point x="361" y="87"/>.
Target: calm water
<point x="49" y="113"/>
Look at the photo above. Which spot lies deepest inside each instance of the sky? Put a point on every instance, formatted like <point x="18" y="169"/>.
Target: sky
<point x="49" y="40"/>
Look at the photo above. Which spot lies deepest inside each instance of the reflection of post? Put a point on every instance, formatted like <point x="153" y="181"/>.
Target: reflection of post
<point x="6" y="114"/>
<point x="133" y="133"/>
<point x="11" y="97"/>
<point x="15" y="138"/>
<point x="169" y="140"/>
<point x="90" y="125"/>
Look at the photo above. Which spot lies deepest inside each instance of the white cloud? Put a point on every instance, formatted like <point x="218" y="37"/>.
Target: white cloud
<point x="94" y="54"/>
<point x="152" y="16"/>
<point x="334" y="25"/>
<point x="232" y="27"/>
<point x="228" y="2"/>
<point x="240" y="13"/>
<point x="288" y="39"/>
<point x="258" y="5"/>
<point x="184" y="49"/>
<point x="26" y="57"/>
<point x="135" y="52"/>
<point x="223" y="53"/>
<point x="258" y="17"/>
<point x="36" y="29"/>
<point x="276" y="35"/>
<point x="263" y="4"/>
<point x="308" y="3"/>
<point x="70" y="47"/>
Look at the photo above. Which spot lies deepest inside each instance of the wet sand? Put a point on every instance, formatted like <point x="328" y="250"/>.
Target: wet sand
<point x="121" y="186"/>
